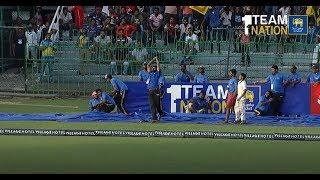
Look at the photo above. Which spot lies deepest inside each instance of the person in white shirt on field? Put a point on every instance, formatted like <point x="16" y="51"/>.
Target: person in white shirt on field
<point x="240" y="106"/>
<point x="32" y="42"/>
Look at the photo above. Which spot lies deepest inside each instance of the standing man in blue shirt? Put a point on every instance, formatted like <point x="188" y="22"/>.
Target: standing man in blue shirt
<point x="213" y="17"/>
<point x="184" y="75"/>
<point x="315" y="76"/>
<point x="144" y="74"/>
<point x="293" y="78"/>
<point x="119" y="92"/>
<point x="154" y="90"/>
<point x="232" y="93"/>
<point x="277" y="81"/>
<point x="201" y="78"/>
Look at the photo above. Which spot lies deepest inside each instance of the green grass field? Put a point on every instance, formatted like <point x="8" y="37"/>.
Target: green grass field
<point x="40" y="154"/>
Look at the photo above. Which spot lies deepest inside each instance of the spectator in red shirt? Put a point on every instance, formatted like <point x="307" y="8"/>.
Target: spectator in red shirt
<point x="131" y="9"/>
<point x="171" y="30"/>
<point x="114" y="16"/>
<point x="121" y="26"/>
<point x="129" y="29"/>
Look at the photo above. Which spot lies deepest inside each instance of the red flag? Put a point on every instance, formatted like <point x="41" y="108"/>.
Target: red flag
<point x="314" y="98"/>
<point x="79" y="16"/>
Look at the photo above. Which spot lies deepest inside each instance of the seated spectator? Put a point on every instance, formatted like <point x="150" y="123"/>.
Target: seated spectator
<point x="187" y="13"/>
<point x="294" y="78"/>
<point x="201" y="78"/>
<point x="108" y="28"/>
<point x="263" y="107"/>
<point x="124" y="15"/>
<point x="65" y="24"/>
<point x="155" y="23"/>
<point x="143" y="73"/>
<point x="170" y="12"/>
<point x="171" y="30"/>
<point x="183" y="28"/>
<point x="102" y="40"/>
<point x="97" y="15"/>
<point x="139" y="52"/>
<point x="184" y="75"/>
<point x="92" y="30"/>
<point x="315" y="76"/>
<point x="101" y="102"/>
<point x="191" y="40"/>
<point x="199" y="104"/>
<point x="114" y="16"/>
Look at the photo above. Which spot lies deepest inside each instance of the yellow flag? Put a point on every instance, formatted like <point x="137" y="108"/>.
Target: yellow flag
<point x="201" y="9"/>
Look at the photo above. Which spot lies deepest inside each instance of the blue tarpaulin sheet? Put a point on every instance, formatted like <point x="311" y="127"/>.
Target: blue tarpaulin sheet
<point x="306" y="120"/>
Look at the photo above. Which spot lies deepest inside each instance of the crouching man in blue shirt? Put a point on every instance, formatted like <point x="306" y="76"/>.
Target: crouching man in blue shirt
<point x="263" y="107"/>
<point x="199" y="104"/>
<point x="101" y="102"/>
<point x="277" y="81"/>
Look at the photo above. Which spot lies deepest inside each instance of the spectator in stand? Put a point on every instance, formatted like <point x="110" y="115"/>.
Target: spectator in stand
<point x="171" y="31"/>
<point x="39" y="15"/>
<point x="124" y="15"/>
<point x="315" y="76"/>
<point x="183" y="28"/>
<point x="83" y="45"/>
<point x="156" y="22"/>
<point x="139" y="33"/>
<point x="32" y="42"/>
<point x="285" y="10"/>
<point x="108" y="28"/>
<point x="187" y="13"/>
<point x="129" y="29"/>
<point x="121" y="50"/>
<point x="139" y="52"/>
<point x="114" y="16"/>
<point x="294" y="78"/>
<point x="131" y="9"/>
<point x="65" y="23"/>
<point x="97" y="15"/>
<point x="201" y="78"/>
<point x="44" y="31"/>
<point x="121" y="26"/>
<point x="236" y="22"/>
<point x="143" y="73"/>
<point x="244" y="48"/>
<point x="196" y="28"/>
<point x="184" y="76"/>
<point x="191" y="40"/>
<point x="226" y="16"/>
<point x="48" y="49"/>
<point x="102" y="41"/>
<point x="213" y="19"/>
<point x="170" y="12"/>
<point x="19" y="43"/>
<point x="92" y="30"/>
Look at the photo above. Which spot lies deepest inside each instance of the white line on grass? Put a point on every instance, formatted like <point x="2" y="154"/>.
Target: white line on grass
<point x="37" y="105"/>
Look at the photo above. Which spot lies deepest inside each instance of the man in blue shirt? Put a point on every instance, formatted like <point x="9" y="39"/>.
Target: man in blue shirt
<point x="213" y="17"/>
<point x="184" y="75"/>
<point x="144" y="74"/>
<point x="277" y="81"/>
<point x="199" y="104"/>
<point x="263" y="106"/>
<point x="232" y="93"/>
<point x="315" y="76"/>
<point x="201" y="78"/>
<point x="119" y="92"/>
<point x="107" y="100"/>
<point x="293" y="78"/>
<point x="154" y="90"/>
<point x="101" y="102"/>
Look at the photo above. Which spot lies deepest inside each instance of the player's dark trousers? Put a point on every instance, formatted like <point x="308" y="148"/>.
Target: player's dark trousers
<point x="276" y="103"/>
<point x="119" y="99"/>
<point x="155" y="103"/>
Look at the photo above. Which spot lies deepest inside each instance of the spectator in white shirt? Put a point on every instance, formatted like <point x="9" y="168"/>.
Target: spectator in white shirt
<point x="183" y="27"/>
<point x="32" y="42"/>
<point x="139" y="53"/>
<point x="284" y="10"/>
<point x="226" y="16"/>
<point x="191" y="41"/>
<point x="65" y="23"/>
